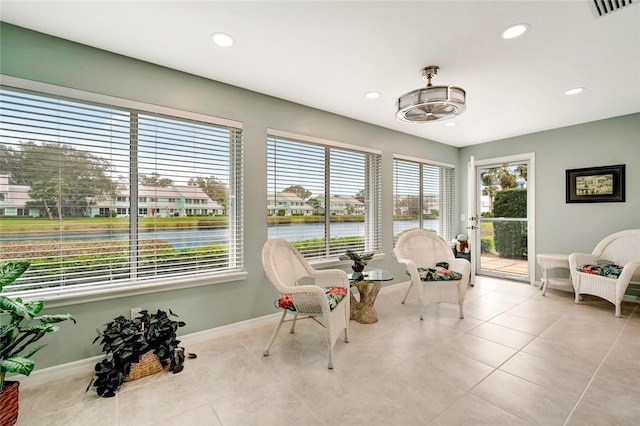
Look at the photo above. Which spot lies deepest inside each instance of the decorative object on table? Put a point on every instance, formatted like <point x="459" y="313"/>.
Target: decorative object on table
<point x="16" y="336"/>
<point x="135" y="348"/>
<point x="420" y="248"/>
<point x="326" y="300"/>
<point x="461" y="248"/>
<point x="596" y="184"/>
<point x="621" y="249"/>
<point x="360" y="260"/>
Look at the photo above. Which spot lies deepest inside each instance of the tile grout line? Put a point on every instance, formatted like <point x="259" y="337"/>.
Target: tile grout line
<point x="497" y="368"/>
<point x="599" y="367"/>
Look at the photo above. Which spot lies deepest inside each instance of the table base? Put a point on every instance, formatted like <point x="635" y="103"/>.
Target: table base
<point x="362" y="310"/>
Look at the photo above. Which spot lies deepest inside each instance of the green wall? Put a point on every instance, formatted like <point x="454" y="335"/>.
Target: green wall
<point x="560" y="227"/>
<point x="42" y="58"/>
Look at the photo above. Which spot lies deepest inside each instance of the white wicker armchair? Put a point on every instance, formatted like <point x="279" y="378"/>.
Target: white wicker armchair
<point x="621" y="248"/>
<point x="284" y="266"/>
<point x="419" y="248"/>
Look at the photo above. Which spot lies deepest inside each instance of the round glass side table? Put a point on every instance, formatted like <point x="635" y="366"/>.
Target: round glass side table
<point x="368" y="284"/>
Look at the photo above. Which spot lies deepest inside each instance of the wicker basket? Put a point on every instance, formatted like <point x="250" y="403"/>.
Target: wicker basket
<point x="147" y="364"/>
<point x="9" y="403"/>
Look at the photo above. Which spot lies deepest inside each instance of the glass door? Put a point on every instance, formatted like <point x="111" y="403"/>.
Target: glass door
<point x="502" y="206"/>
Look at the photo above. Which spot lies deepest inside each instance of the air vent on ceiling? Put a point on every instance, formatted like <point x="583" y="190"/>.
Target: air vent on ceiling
<point x="605" y="7"/>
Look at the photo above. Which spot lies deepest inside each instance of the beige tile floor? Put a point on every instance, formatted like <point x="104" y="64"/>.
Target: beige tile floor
<point x="517" y="358"/>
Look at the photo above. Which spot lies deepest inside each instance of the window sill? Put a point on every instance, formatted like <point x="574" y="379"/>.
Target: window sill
<point x="72" y="296"/>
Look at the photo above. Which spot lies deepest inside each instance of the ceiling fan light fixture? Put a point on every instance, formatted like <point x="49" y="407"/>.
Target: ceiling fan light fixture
<point x="432" y="103"/>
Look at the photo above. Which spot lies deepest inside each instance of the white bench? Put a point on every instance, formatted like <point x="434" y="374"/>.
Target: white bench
<point x="621" y="248"/>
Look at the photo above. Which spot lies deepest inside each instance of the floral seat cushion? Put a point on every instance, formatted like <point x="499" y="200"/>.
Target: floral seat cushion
<point x="334" y="296"/>
<point x="440" y="273"/>
<point x="609" y="270"/>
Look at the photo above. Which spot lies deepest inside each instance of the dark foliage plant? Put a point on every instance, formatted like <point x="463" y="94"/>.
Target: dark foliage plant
<point x="510" y="237"/>
<point x="125" y="340"/>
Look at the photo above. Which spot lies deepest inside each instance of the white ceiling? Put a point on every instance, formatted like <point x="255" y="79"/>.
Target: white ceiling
<point x="328" y="54"/>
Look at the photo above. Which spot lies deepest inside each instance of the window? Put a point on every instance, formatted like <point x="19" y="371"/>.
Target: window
<point x="423" y="197"/>
<point x="327" y="195"/>
<point x="73" y="162"/>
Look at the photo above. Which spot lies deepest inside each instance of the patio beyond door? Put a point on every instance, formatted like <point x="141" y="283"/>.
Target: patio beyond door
<point x="503" y="219"/>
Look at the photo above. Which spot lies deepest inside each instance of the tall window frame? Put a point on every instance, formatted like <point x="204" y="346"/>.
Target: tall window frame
<point x="420" y="182"/>
<point x="180" y="143"/>
<point x="330" y="190"/>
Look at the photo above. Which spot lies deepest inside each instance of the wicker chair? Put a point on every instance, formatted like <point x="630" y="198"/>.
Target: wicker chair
<point x="284" y="267"/>
<point x="419" y="248"/>
<point x="621" y="248"/>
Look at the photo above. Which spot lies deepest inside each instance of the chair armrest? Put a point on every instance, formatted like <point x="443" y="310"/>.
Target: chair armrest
<point x="577" y="259"/>
<point x="331" y="278"/>
<point x="309" y="288"/>
<point x="622" y="283"/>
<point x="412" y="268"/>
<point x="629" y="270"/>
<point x="461" y="265"/>
<point x="464" y="267"/>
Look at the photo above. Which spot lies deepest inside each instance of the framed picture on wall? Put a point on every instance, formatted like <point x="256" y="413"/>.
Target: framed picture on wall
<point x="596" y="185"/>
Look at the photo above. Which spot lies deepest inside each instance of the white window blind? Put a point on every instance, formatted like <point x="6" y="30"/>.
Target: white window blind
<point x="324" y="199"/>
<point x="423" y="197"/>
<point x="98" y="195"/>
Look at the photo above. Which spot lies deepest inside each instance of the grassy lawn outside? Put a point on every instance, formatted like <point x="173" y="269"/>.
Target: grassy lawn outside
<point x="487" y="242"/>
<point x="83" y="224"/>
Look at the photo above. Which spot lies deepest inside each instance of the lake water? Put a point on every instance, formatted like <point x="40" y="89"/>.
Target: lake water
<point x="191" y="238"/>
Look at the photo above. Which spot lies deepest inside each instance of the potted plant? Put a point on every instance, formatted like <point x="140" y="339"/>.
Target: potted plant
<point x="20" y="327"/>
<point x="359" y="259"/>
<point x="125" y="341"/>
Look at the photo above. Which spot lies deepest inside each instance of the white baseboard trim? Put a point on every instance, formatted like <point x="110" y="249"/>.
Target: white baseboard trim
<point x="87" y="365"/>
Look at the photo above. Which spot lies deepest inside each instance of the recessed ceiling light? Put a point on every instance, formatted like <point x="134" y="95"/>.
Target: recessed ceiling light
<point x="450" y="124"/>
<point x="515" y="31"/>
<point x="373" y="95"/>
<point x="574" y="91"/>
<point x="222" y="39"/>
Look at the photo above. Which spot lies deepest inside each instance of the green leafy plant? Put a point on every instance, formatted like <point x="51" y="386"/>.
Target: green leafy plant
<point x="23" y="327"/>
<point x="362" y="258"/>
<point x="125" y="340"/>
